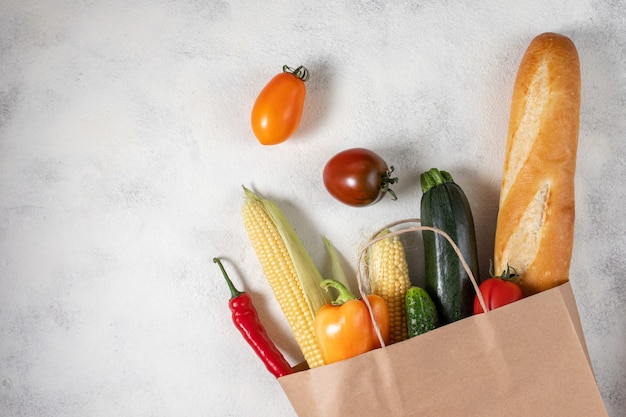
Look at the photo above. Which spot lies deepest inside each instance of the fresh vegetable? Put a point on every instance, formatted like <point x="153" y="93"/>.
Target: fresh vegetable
<point x="337" y="273"/>
<point x="421" y="312"/>
<point x="444" y="206"/>
<point x="247" y="320"/>
<point x="278" y="108"/>
<point x="358" y="177"/>
<point x="389" y="278"/>
<point x="344" y="327"/>
<point x="289" y="269"/>
<point x="498" y="291"/>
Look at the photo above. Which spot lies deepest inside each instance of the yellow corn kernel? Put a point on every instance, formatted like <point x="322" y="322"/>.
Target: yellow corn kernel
<point x="290" y="271"/>
<point x="388" y="272"/>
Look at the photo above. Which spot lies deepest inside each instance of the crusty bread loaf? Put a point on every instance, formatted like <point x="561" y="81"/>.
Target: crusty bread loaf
<point x="535" y="226"/>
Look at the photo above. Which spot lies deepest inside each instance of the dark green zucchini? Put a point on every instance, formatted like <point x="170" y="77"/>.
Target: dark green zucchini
<point x="445" y="206"/>
<point x="421" y="313"/>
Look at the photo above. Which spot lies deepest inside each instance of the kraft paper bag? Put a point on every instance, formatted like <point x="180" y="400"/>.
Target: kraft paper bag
<point x="528" y="358"/>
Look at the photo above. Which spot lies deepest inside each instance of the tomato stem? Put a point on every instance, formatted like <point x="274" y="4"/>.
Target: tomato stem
<point x="506" y="275"/>
<point x="300" y="72"/>
<point x="387" y="181"/>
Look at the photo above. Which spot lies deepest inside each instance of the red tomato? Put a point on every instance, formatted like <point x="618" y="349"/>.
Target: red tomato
<point x="496" y="293"/>
<point x="358" y="177"/>
<point x="278" y="108"/>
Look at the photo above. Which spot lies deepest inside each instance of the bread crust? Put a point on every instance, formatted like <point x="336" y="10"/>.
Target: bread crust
<point x="535" y="225"/>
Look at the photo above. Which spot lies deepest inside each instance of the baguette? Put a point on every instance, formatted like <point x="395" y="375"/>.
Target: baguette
<point x="535" y="225"/>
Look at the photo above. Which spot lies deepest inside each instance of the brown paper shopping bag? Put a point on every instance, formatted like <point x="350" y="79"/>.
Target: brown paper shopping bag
<point x="525" y="359"/>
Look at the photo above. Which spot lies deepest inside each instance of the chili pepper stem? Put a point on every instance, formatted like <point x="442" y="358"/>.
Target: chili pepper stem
<point x="344" y="293"/>
<point x="233" y="291"/>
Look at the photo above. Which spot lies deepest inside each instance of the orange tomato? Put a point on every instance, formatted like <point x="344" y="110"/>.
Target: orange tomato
<point x="278" y="108"/>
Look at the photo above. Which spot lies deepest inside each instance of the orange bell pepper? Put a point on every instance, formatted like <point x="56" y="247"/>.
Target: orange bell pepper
<point x="344" y="327"/>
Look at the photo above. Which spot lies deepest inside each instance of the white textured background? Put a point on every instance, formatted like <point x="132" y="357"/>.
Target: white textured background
<point x="125" y="139"/>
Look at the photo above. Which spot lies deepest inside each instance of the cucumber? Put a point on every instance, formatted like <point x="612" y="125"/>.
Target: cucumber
<point x="445" y="207"/>
<point x="421" y="313"/>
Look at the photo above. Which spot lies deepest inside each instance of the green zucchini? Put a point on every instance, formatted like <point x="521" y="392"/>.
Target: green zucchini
<point x="421" y="313"/>
<point x="444" y="206"/>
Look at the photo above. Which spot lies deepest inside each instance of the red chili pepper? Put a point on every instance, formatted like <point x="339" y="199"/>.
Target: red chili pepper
<point x="247" y="321"/>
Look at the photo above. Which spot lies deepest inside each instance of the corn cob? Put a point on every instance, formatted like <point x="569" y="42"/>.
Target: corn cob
<point x="290" y="271"/>
<point x="389" y="278"/>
